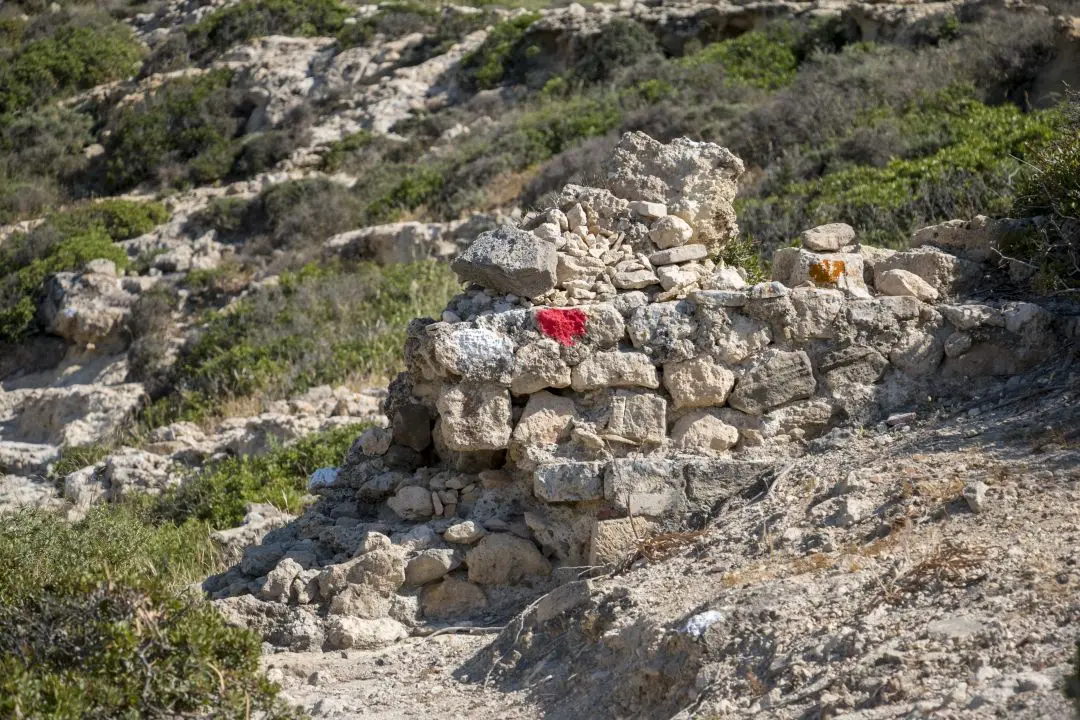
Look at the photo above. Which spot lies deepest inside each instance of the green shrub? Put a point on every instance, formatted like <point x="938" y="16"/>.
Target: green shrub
<point x="236" y="24"/>
<point x="336" y="153"/>
<point x="743" y="252"/>
<point x="321" y="325"/>
<point x="47" y="142"/>
<point x="485" y="67"/>
<point x="961" y="156"/>
<point x="190" y="120"/>
<point x="65" y="242"/>
<point x="83" y="51"/>
<point x="1050" y="187"/>
<point x="189" y="131"/>
<point x="763" y="59"/>
<point x="620" y="43"/>
<point x="90" y="626"/>
<point x="77" y="457"/>
<point x="120" y="219"/>
<point x="219" y="494"/>
<point x="392" y="20"/>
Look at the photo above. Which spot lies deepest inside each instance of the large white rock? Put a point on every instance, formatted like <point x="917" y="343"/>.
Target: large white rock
<point x="475" y="417"/>
<point x="702" y="381"/>
<point x="695" y="180"/>
<point x="615" y="368"/>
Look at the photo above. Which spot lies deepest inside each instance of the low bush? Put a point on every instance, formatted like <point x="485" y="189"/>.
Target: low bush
<point x="487" y="66"/>
<point x="959" y="161"/>
<point x="65" y="242"/>
<point x="1072" y="683"/>
<point x="219" y="494"/>
<point x="190" y="131"/>
<point x="64" y="53"/>
<point x="323" y="324"/>
<point x="236" y="24"/>
<point x="338" y="152"/>
<point x="296" y="216"/>
<point x="187" y="127"/>
<point x="91" y="625"/>
<point x="620" y="43"/>
<point x="151" y="328"/>
<point x="120" y="219"/>
<point x="1050" y="188"/>
<point x="47" y="142"/>
<point x="764" y="59"/>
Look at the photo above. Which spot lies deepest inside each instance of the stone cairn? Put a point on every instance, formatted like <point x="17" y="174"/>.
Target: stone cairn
<point x="605" y="377"/>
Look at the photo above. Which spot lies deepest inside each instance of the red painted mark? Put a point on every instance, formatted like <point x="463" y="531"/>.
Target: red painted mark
<point x="565" y="326"/>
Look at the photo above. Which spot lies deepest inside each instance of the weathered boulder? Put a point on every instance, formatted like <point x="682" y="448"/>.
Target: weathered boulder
<point x="452" y="598"/>
<point x="773" y="378"/>
<point x="510" y="261"/>
<point x="696" y="181"/>
<point x="474" y="417"/>
<point x="702" y="381"/>
<point x="503" y="559"/>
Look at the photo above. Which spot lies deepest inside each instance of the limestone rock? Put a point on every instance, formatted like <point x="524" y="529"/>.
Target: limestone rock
<point x="464" y="533"/>
<point x="675" y="255"/>
<point x="943" y="272"/>
<point x="774" y="378"/>
<point x="569" y="482"/>
<point x="474" y="417"/>
<point x="902" y="282"/>
<point x="615" y="368"/>
<point x="510" y="261"/>
<point x="343" y="633"/>
<point x="539" y="365"/>
<point x="696" y="181"/>
<point x="430" y="565"/>
<point x="452" y="598"/>
<point x="613" y="541"/>
<point x="412" y="503"/>
<point x="666" y="331"/>
<point x="703" y="432"/>
<point x="87" y="308"/>
<point x="699" y="382"/>
<point x="547" y="419"/>
<point x="670" y="231"/>
<point x="279" y="581"/>
<point x="475" y="354"/>
<point x="828" y="238"/>
<point x="644" y="486"/>
<point x="503" y="559"/>
<point x="638" y="417"/>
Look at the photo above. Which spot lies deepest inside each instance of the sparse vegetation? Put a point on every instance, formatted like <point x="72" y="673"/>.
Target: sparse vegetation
<point x="322" y="324"/>
<point x="1072" y="683"/>
<point x="1051" y="189"/>
<point x="102" y="633"/>
<point x="236" y="24"/>
<point x="66" y="241"/>
<point x="219" y="494"/>
<point x="61" y="54"/>
<point x="191" y="130"/>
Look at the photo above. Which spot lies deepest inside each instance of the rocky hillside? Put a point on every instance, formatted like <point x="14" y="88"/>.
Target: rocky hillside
<point x="776" y="295"/>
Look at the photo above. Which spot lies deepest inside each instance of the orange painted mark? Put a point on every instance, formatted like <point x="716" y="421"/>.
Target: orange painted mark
<point x="826" y="272"/>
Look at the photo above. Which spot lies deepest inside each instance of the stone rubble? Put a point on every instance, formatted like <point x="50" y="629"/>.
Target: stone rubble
<point x="569" y="403"/>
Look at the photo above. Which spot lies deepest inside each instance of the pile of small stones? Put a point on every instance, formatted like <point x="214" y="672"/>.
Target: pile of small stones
<point x="605" y="377"/>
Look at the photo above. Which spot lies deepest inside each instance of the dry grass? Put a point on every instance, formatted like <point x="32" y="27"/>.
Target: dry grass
<point x="948" y="563"/>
